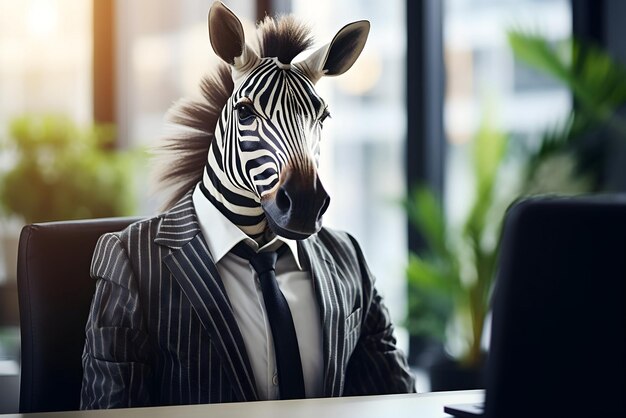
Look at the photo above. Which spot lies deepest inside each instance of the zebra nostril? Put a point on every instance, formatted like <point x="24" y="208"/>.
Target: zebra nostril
<point x="325" y="204"/>
<point x="283" y="202"/>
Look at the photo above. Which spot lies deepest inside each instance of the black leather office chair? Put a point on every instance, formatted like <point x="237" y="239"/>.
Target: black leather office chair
<point x="55" y="292"/>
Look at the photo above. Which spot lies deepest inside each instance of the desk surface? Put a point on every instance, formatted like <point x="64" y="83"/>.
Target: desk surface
<point x="426" y="405"/>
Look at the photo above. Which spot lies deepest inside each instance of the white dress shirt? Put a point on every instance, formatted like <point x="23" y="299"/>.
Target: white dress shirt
<point x="244" y="292"/>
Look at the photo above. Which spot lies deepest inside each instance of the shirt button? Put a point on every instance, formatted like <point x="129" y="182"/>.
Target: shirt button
<point x="275" y="380"/>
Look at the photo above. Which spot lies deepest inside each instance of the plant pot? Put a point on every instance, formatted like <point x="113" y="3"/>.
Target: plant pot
<point x="448" y="374"/>
<point x="424" y="351"/>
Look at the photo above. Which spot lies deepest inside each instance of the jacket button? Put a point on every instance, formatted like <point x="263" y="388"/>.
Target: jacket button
<point x="275" y="380"/>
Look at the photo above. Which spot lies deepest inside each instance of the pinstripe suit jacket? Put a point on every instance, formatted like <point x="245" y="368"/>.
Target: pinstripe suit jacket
<point x="161" y="330"/>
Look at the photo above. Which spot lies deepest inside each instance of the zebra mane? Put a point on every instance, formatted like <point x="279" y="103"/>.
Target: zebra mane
<point x="180" y="158"/>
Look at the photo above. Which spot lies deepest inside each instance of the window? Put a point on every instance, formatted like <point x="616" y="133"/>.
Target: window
<point x="362" y="155"/>
<point x="486" y="82"/>
<point x="163" y="51"/>
<point x="45" y="51"/>
<point x="481" y="68"/>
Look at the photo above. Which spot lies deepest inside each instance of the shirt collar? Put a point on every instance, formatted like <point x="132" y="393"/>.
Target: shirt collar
<point x="221" y="235"/>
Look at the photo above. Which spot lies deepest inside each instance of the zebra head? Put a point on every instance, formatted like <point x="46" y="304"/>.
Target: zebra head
<point x="265" y="156"/>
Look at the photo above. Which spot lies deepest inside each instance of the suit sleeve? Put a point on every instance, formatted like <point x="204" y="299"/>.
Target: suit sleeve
<point x="376" y="366"/>
<point x="116" y="371"/>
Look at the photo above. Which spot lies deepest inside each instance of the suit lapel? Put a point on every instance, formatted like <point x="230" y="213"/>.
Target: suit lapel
<point x="332" y="312"/>
<point x="193" y="268"/>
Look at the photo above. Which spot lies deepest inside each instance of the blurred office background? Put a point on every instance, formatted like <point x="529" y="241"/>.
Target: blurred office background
<point x="435" y="79"/>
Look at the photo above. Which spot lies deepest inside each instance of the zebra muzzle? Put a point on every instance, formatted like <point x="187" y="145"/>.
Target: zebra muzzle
<point x="295" y="209"/>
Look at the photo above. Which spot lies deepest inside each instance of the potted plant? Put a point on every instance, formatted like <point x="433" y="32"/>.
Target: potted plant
<point x="58" y="171"/>
<point x="579" y="152"/>
<point x="455" y="272"/>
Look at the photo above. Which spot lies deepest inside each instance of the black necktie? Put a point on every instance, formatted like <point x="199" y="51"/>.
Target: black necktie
<point x="290" y="380"/>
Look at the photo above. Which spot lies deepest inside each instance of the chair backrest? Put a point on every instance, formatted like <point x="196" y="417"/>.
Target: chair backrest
<point x="55" y="292"/>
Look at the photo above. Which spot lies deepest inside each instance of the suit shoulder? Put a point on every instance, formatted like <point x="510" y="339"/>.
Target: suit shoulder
<point x="115" y="251"/>
<point x="338" y="240"/>
<point x="143" y="230"/>
<point x="143" y="226"/>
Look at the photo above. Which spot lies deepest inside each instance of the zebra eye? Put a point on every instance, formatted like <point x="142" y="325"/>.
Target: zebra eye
<point x="325" y="115"/>
<point x="244" y="112"/>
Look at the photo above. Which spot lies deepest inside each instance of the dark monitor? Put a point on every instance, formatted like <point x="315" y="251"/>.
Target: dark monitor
<point x="557" y="343"/>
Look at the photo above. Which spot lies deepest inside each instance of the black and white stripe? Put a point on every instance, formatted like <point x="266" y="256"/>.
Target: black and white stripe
<point x="246" y="158"/>
<point x="161" y="329"/>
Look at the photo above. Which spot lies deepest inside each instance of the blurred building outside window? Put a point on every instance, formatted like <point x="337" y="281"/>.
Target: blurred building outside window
<point x="485" y="80"/>
<point x="45" y="56"/>
<point x="481" y="69"/>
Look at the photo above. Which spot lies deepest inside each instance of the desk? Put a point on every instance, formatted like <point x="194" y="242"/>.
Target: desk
<point x="426" y="405"/>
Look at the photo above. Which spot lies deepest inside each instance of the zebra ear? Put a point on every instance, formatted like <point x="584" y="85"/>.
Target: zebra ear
<point x="228" y="40"/>
<point x="338" y="56"/>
